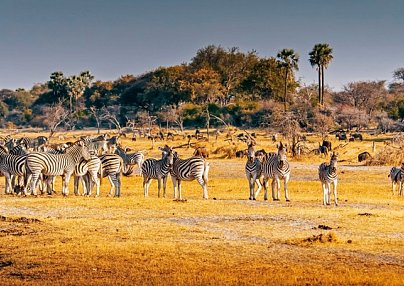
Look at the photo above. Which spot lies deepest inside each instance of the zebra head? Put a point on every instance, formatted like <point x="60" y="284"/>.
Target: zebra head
<point x="333" y="162"/>
<point x="168" y="155"/>
<point x="85" y="152"/>
<point x="282" y="150"/>
<point x="251" y="152"/>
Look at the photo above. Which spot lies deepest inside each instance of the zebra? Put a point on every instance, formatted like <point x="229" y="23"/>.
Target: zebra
<point x="397" y="177"/>
<point x="112" y="166"/>
<point x="20" y="149"/>
<point x="53" y="165"/>
<point x="194" y="168"/>
<point x="130" y="160"/>
<point x="33" y="143"/>
<point x="86" y="171"/>
<point x="253" y="171"/>
<point x="12" y="166"/>
<point x="327" y="174"/>
<point x="157" y="169"/>
<point x="276" y="167"/>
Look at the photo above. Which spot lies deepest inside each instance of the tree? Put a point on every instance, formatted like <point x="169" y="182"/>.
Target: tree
<point x="398" y="74"/>
<point x="54" y="115"/>
<point x="76" y="85"/>
<point x="287" y="61"/>
<point x="321" y="56"/>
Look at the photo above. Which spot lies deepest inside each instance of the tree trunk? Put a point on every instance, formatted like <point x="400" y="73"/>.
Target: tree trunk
<point x="322" y="86"/>
<point x="285" y="89"/>
<point x="207" y="121"/>
<point x="319" y="85"/>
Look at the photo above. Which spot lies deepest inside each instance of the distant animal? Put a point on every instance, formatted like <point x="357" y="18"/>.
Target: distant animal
<point x="357" y="136"/>
<point x="322" y="150"/>
<point x="351" y="139"/>
<point x="327" y="173"/>
<point x="327" y="144"/>
<point x="241" y="153"/>
<point x="201" y="152"/>
<point x="260" y="153"/>
<point x="364" y="156"/>
<point x="341" y="136"/>
<point x="397" y="176"/>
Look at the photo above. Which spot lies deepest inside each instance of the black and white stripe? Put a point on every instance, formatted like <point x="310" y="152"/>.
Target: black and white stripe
<point x="275" y="166"/>
<point x="86" y="172"/>
<point x="397" y="177"/>
<point x="53" y="165"/>
<point x="194" y="168"/>
<point x="12" y="166"/>
<point x="327" y="173"/>
<point x="130" y="160"/>
<point x="253" y="172"/>
<point x="157" y="169"/>
<point x="112" y="166"/>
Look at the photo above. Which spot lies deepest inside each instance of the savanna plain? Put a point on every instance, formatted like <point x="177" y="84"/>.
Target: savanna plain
<point x="225" y="240"/>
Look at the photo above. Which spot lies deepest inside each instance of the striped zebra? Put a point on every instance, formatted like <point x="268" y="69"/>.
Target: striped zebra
<point x="33" y="143"/>
<point x="275" y="166"/>
<point x="112" y="166"/>
<point x="86" y="171"/>
<point x="12" y="166"/>
<point x="397" y="177"/>
<point x="54" y="165"/>
<point x="157" y="169"/>
<point x="253" y="171"/>
<point x="327" y="173"/>
<point x="130" y="160"/>
<point x="194" y="168"/>
<point x="20" y="149"/>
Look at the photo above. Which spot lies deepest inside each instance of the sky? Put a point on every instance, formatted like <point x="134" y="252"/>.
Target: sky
<point x="114" y="38"/>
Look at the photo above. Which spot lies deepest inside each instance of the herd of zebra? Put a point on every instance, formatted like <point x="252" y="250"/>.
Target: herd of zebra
<point x="29" y="163"/>
<point x="276" y="166"/>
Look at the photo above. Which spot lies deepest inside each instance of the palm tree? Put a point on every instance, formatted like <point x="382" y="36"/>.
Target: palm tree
<point x="321" y="56"/>
<point x="287" y="59"/>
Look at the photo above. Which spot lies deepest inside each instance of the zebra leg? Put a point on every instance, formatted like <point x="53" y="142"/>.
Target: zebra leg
<point x="325" y="192"/>
<point x="204" y="186"/>
<point x="258" y="189"/>
<point x="335" y="193"/>
<point x="158" y="186"/>
<point x="164" y="186"/>
<point x="265" y="183"/>
<point x="146" y="185"/>
<point x="85" y="189"/>
<point x="285" y="185"/>
<point x="278" y="188"/>
<point x="174" y="180"/>
<point x="118" y="185"/>
<point x="328" y="193"/>
<point x="66" y="179"/>
<point x="393" y="186"/>
<point x="251" y="186"/>
<point x="34" y="180"/>
<point x="179" y="190"/>
<point x="8" y="183"/>
<point x="76" y="185"/>
<point x="111" y="178"/>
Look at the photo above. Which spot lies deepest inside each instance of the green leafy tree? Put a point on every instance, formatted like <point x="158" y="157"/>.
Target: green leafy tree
<point x="321" y="56"/>
<point x="288" y="61"/>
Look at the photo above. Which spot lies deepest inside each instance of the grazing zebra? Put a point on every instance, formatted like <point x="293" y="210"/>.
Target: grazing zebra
<point x="327" y="174"/>
<point x="130" y="160"/>
<point x="157" y="169"/>
<point x="112" y="166"/>
<point x="20" y="149"/>
<point x="276" y="167"/>
<point x="86" y="171"/>
<point x="253" y="171"/>
<point x="53" y="165"/>
<point x="397" y="177"/>
<point x="194" y="168"/>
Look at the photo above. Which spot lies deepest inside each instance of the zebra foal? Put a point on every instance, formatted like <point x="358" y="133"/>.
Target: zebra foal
<point x="327" y="173"/>
<point x="157" y="169"/>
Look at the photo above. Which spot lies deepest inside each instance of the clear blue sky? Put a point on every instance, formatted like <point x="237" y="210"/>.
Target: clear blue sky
<point x="112" y="38"/>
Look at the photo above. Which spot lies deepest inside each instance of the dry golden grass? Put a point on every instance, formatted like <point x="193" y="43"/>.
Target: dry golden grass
<point x="226" y="240"/>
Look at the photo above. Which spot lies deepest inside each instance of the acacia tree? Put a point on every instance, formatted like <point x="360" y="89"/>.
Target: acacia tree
<point x="287" y="61"/>
<point x="321" y="56"/>
<point x="54" y="115"/>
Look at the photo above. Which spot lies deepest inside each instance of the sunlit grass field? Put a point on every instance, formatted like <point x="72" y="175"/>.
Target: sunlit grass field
<point x="225" y="240"/>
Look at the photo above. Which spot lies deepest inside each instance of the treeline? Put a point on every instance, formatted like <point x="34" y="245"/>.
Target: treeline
<point x="218" y="86"/>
